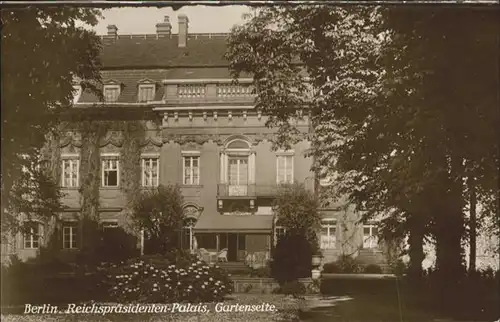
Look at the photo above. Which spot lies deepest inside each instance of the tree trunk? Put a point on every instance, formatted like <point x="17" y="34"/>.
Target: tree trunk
<point x="449" y="224"/>
<point x="472" y="225"/>
<point x="416" y="251"/>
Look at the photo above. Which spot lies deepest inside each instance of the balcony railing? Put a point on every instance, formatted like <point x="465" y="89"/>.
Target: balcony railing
<point x="247" y="190"/>
<point x="209" y="92"/>
<point x="190" y="91"/>
<point x="234" y="91"/>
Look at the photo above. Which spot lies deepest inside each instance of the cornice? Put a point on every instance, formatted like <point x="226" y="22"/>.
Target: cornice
<point x="114" y="138"/>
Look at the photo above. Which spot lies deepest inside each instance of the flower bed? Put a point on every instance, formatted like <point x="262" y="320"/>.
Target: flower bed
<point x="154" y="280"/>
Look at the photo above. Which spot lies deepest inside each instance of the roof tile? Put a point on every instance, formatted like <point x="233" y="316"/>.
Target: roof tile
<point x="163" y="52"/>
<point x="130" y="59"/>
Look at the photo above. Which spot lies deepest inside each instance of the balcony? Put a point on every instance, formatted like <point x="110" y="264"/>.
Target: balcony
<point x="227" y="191"/>
<point x="208" y="91"/>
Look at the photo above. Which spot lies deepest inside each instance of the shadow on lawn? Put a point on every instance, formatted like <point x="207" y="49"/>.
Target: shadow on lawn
<point x="364" y="308"/>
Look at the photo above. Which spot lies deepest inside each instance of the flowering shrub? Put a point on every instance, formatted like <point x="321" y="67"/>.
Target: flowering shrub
<point x="157" y="280"/>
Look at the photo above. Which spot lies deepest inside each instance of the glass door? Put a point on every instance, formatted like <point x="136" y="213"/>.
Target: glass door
<point x="238" y="176"/>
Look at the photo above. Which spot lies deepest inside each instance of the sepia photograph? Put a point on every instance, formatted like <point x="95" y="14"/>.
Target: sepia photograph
<point x="250" y="161"/>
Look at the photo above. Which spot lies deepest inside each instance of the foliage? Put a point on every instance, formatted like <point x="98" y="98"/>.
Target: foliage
<point x="372" y="269"/>
<point x="116" y="245"/>
<point x="92" y="132"/>
<point x="34" y="194"/>
<point x="291" y="259"/>
<point x="43" y="280"/>
<point x="260" y="272"/>
<point x="292" y="288"/>
<point x="399" y="268"/>
<point x="37" y="81"/>
<point x="297" y="209"/>
<point x="159" y="212"/>
<point x="347" y="264"/>
<point x="397" y="128"/>
<point x="156" y="279"/>
<point x="330" y="267"/>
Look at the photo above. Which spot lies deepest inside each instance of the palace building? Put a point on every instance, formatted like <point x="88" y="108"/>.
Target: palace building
<point x="211" y="141"/>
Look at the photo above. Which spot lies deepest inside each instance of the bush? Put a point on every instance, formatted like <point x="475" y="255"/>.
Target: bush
<point x="261" y="272"/>
<point x="159" y="212"/>
<point x="398" y="268"/>
<point x="176" y="277"/>
<point x="34" y="282"/>
<point x="292" y="288"/>
<point x="346" y="264"/>
<point x="291" y="259"/>
<point x="373" y="269"/>
<point x="331" y="268"/>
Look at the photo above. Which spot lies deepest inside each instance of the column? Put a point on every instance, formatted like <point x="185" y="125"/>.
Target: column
<point x="251" y="168"/>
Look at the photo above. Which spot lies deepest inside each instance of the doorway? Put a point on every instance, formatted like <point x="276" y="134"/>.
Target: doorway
<point x="232" y="247"/>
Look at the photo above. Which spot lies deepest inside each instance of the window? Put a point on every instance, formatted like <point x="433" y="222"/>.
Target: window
<point x="284" y="169"/>
<point x="70" y="169"/>
<point x="111" y="93"/>
<point x="109" y="225"/>
<point x="32" y="235"/>
<point x="146" y="93"/>
<point x="238" y="171"/>
<point x="370" y="239"/>
<point x="110" y="172"/>
<point x="328" y="234"/>
<point x="191" y="170"/>
<point x="150" y="172"/>
<point x="69" y="235"/>
<point x="279" y="232"/>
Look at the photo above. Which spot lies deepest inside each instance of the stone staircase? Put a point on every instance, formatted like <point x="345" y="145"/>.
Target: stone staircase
<point x="235" y="268"/>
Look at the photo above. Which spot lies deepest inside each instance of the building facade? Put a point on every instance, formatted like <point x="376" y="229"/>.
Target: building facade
<point x="211" y="141"/>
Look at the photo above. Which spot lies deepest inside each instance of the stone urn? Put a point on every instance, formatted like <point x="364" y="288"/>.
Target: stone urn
<point x="316" y="260"/>
<point x="315" y="274"/>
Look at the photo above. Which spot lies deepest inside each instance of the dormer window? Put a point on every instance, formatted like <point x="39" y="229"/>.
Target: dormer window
<point x="111" y="93"/>
<point x="146" y="92"/>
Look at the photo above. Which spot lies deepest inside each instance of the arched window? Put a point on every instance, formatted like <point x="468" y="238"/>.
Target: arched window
<point x="237" y="162"/>
<point x="237" y="144"/>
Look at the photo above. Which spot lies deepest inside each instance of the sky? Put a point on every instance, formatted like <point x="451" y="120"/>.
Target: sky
<point x="143" y="20"/>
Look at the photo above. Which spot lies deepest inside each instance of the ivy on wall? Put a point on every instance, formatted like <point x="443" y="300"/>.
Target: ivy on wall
<point x="93" y="132"/>
<point x="134" y="134"/>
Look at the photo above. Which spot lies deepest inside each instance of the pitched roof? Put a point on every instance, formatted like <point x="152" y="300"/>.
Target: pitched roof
<point x="136" y="51"/>
<point x="130" y="79"/>
<point x="128" y="59"/>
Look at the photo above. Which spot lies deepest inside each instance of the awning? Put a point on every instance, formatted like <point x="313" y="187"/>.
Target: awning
<point x="217" y="223"/>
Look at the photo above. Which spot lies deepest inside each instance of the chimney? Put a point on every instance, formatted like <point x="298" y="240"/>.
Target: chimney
<point x="183" y="30"/>
<point x="164" y="28"/>
<point x="112" y="30"/>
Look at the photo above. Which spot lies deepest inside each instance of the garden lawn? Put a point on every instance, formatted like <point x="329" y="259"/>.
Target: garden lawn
<point x="288" y="309"/>
<point x="367" y="308"/>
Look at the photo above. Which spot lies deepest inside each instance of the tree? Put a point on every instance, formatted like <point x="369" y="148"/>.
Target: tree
<point x="34" y="194"/>
<point x="43" y="52"/>
<point x="159" y="213"/>
<point x="395" y="117"/>
<point x="297" y="210"/>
